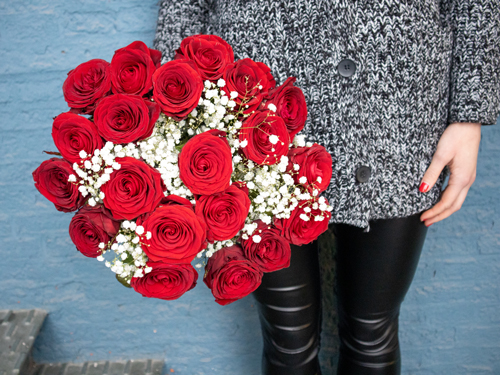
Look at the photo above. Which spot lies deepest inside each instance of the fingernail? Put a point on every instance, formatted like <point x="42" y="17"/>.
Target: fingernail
<point x="423" y="187"/>
<point x="428" y="225"/>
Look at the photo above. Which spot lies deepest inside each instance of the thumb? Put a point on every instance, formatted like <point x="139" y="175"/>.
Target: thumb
<point x="432" y="173"/>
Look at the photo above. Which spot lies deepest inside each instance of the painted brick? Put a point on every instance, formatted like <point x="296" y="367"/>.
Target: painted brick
<point x="450" y="320"/>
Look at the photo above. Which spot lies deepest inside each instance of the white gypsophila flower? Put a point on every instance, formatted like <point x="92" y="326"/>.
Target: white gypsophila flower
<point x="273" y="139"/>
<point x="271" y="107"/>
<point x="256" y="238"/>
<point x="299" y="140"/>
<point x="303" y="179"/>
<point x="304" y="217"/>
<point x="221" y="82"/>
<point x="224" y="100"/>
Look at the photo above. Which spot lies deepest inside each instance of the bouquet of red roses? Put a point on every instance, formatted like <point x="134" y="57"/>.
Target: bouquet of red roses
<point x="197" y="159"/>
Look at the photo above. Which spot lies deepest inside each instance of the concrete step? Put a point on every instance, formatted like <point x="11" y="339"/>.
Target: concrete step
<point x="132" y="367"/>
<point x="18" y="330"/>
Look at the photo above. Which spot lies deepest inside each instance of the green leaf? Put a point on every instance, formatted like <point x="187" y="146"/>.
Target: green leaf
<point x="123" y="281"/>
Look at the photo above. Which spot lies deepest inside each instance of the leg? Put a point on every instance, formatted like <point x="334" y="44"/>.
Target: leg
<point x="374" y="272"/>
<point x="290" y="315"/>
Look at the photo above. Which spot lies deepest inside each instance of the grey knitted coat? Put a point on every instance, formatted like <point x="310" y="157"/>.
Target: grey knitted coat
<point x="418" y="66"/>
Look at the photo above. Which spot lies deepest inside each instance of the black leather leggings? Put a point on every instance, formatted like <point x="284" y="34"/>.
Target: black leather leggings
<point x="374" y="272"/>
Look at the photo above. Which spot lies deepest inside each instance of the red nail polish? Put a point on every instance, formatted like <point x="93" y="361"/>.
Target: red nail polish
<point x="424" y="187"/>
<point x="428" y="225"/>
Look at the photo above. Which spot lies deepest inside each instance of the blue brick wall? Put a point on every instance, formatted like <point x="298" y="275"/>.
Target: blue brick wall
<point x="450" y="321"/>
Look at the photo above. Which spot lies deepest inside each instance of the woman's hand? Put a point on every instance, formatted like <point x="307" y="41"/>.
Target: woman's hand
<point x="457" y="148"/>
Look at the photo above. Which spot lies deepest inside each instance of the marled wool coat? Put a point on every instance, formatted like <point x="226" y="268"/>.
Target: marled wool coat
<point x="419" y="66"/>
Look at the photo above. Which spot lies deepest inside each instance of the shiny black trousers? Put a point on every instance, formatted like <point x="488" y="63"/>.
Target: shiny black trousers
<point x="374" y="272"/>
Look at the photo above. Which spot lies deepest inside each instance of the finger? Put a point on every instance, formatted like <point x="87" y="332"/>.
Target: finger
<point x="450" y="195"/>
<point x="432" y="173"/>
<point x="454" y="208"/>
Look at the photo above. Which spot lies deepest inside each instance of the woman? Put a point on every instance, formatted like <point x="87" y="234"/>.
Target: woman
<point x="396" y="91"/>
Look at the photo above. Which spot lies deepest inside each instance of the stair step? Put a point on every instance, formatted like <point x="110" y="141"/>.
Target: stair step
<point x="18" y="330"/>
<point x="132" y="367"/>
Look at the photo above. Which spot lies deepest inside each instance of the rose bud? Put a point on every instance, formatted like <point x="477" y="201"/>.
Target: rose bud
<point x="298" y="231"/>
<point x="51" y="180"/>
<point x="314" y="162"/>
<point x="132" y="69"/>
<point x="251" y="80"/>
<point x="290" y="105"/>
<point x="177" y="235"/>
<point x="260" y="130"/>
<point x="205" y="164"/>
<point x="86" y="84"/>
<point x="91" y="226"/>
<point x="72" y="133"/>
<point x="267" y="248"/>
<point x="210" y="53"/>
<point x="125" y="118"/>
<point x="133" y="190"/>
<point x="165" y="281"/>
<point x="177" y="88"/>
<point x="230" y="275"/>
<point x="224" y="213"/>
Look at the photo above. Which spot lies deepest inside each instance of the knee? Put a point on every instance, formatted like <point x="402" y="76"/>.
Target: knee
<point x="291" y="334"/>
<point x="371" y="339"/>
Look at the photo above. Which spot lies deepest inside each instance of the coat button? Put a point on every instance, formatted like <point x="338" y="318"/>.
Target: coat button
<point x="346" y="68"/>
<point x="363" y="174"/>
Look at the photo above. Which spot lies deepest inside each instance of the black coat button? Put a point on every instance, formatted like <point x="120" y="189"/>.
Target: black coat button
<point x="363" y="174"/>
<point x="346" y="68"/>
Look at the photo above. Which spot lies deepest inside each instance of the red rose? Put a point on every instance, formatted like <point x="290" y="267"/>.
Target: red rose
<point x="177" y="235"/>
<point x="245" y="76"/>
<point x="51" y="180"/>
<point x="242" y="185"/>
<point x="272" y="252"/>
<point x="173" y="199"/>
<point x="299" y="231"/>
<point x="165" y="281"/>
<point x="177" y="87"/>
<point x="290" y="106"/>
<point x="134" y="189"/>
<point x="132" y="69"/>
<point x="86" y="84"/>
<point x="210" y="53"/>
<point x="125" y="118"/>
<point x="72" y="133"/>
<point x="230" y="275"/>
<point x="205" y="164"/>
<point x="91" y="226"/>
<point x="314" y="162"/>
<point x="224" y="213"/>
<point x="257" y="130"/>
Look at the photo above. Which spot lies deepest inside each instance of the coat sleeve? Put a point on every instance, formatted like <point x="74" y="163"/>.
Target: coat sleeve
<point x="475" y="68"/>
<point x="178" y="19"/>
